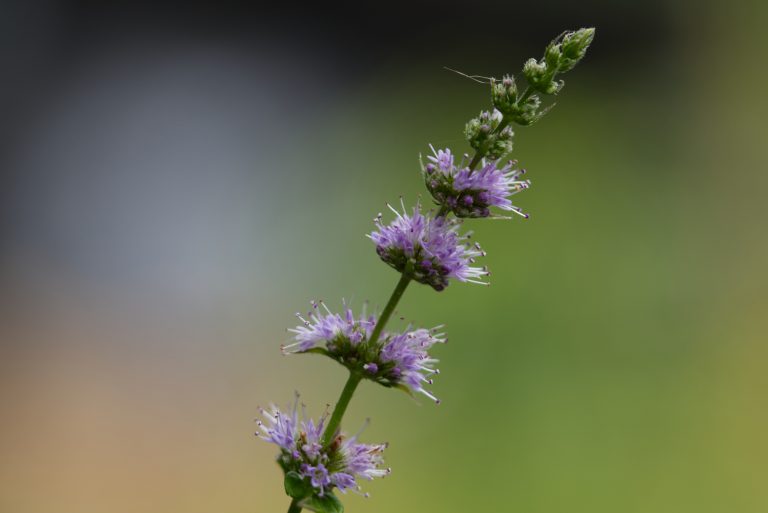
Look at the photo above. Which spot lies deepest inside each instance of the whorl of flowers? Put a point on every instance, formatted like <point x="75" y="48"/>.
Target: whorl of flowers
<point x="310" y="464"/>
<point x="403" y="361"/>
<point x="427" y="249"/>
<point x="395" y="360"/>
<point x="468" y="193"/>
<point x="341" y="334"/>
<point x="488" y="134"/>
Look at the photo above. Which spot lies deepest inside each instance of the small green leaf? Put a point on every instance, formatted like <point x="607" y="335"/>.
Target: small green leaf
<point x="405" y="389"/>
<point x="281" y="462"/>
<point x="328" y="503"/>
<point x="317" y="350"/>
<point x="295" y="486"/>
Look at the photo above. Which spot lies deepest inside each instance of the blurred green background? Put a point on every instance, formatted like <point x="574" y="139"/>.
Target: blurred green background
<point x="173" y="195"/>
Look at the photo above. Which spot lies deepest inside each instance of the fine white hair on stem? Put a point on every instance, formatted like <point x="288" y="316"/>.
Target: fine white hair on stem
<point x="475" y="78"/>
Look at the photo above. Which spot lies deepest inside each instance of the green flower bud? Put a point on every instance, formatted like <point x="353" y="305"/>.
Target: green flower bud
<point x="539" y="75"/>
<point x="481" y="129"/>
<point x="504" y="94"/>
<point x="552" y="56"/>
<point x="528" y="113"/>
<point x="501" y="144"/>
<point x="574" y="47"/>
<point x="534" y="70"/>
<point x="561" y="55"/>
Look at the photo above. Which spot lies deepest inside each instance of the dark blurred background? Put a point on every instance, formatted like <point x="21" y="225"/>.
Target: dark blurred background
<point x="176" y="179"/>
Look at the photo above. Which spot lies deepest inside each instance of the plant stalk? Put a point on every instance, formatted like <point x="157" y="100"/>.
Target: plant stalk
<point x="391" y="304"/>
<point x="341" y="406"/>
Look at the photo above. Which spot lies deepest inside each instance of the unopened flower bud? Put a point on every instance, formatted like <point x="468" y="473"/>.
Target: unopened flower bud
<point x="534" y="71"/>
<point x="540" y="75"/>
<point x="552" y="56"/>
<point x="559" y="57"/>
<point x="528" y="113"/>
<point x="574" y="46"/>
<point x="481" y="129"/>
<point x="501" y="144"/>
<point x="504" y="94"/>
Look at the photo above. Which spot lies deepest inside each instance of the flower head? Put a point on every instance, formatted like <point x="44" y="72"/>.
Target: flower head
<point x="428" y="249"/>
<point x="394" y="360"/>
<point x="404" y="360"/>
<point x="340" y="333"/>
<point x="485" y="134"/>
<point x="321" y="468"/>
<point x="472" y="193"/>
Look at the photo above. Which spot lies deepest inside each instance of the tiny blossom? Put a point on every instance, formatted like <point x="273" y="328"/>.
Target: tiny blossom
<point x="395" y="359"/>
<point x="324" y="468"/>
<point x="340" y="333"/>
<point x="404" y="360"/>
<point x="428" y="249"/>
<point x="472" y="193"/>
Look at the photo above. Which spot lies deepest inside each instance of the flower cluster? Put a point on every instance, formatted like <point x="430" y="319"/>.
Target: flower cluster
<point x="395" y="360"/>
<point x="427" y="249"/>
<point x="342" y="335"/>
<point x="403" y="360"/>
<point x="561" y="55"/>
<point x="311" y="467"/>
<point x="469" y="193"/>
<point x="486" y="134"/>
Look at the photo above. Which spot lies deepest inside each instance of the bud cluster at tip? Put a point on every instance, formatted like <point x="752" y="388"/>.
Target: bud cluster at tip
<point x="524" y="108"/>
<point x="561" y="55"/>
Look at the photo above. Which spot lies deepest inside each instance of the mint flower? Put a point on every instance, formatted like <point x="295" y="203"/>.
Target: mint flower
<point x="395" y="360"/>
<point x="314" y="469"/>
<point x="469" y="193"/>
<point x="427" y="249"/>
<point x="403" y="361"/>
<point x="340" y="334"/>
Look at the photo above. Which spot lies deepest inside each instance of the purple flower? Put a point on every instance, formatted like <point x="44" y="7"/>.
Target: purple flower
<point x="404" y="360"/>
<point x="392" y="360"/>
<point x="428" y="249"/>
<point x="363" y="460"/>
<point x="338" y="332"/>
<point x="337" y="465"/>
<point x="472" y="193"/>
<point x="318" y="476"/>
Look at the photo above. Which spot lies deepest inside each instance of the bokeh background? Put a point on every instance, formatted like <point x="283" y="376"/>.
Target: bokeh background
<point x="177" y="179"/>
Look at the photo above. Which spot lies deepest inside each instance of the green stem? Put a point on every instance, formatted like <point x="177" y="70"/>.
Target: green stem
<point x="341" y="406"/>
<point x="294" y="507"/>
<point x="480" y="153"/>
<point x="391" y="304"/>
<point x="355" y="376"/>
